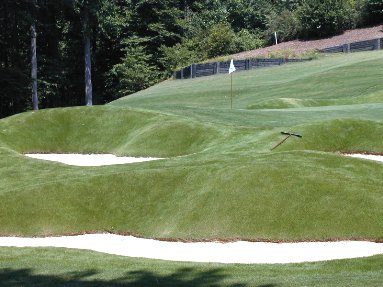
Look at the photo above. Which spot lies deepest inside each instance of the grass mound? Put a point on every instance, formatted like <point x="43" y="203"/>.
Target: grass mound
<point x="275" y="197"/>
<point x="228" y="184"/>
<point x="104" y="129"/>
<point x="343" y="135"/>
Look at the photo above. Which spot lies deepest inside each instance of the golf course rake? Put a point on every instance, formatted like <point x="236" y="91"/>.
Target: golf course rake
<point x="287" y="136"/>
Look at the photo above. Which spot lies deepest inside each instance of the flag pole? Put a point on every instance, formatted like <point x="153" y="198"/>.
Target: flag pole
<point x="231" y="93"/>
<point x="231" y="70"/>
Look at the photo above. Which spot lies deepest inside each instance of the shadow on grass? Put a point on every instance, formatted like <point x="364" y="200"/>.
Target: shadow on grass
<point x="182" y="277"/>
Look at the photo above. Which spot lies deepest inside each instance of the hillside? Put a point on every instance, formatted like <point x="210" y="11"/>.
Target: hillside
<point x="298" y="47"/>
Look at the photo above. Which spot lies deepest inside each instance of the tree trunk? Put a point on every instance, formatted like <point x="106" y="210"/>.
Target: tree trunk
<point x="35" y="99"/>
<point x="88" y="73"/>
<point x="88" y="62"/>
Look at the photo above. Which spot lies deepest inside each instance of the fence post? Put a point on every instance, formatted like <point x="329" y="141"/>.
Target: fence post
<point x="247" y="64"/>
<point x="175" y="75"/>
<point x="182" y="74"/>
<point x="193" y="71"/>
<point x="216" y="68"/>
<point x="346" y="48"/>
<point x="377" y="44"/>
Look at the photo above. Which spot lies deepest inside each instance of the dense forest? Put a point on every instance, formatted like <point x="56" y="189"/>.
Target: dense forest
<point x="77" y="52"/>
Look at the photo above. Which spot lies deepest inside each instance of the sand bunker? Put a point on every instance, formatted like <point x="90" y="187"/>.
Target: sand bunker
<point x="90" y="159"/>
<point x="234" y="252"/>
<point x="110" y="159"/>
<point x="367" y="156"/>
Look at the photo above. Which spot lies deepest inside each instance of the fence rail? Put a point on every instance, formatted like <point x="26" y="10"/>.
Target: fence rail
<point x="208" y="69"/>
<point x="367" y="45"/>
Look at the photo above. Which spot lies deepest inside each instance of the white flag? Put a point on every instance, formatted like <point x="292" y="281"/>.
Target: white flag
<point x="232" y="68"/>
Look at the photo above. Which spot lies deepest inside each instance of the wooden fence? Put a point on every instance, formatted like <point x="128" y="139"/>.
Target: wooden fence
<point x="202" y="70"/>
<point x="368" y="45"/>
<point x="208" y="69"/>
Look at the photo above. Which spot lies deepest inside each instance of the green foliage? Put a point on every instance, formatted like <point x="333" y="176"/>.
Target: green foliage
<point x="285" y="23"/>
<point x="134" y="73"/>
<point x="181" y="55"/>
<point x="373" y="12"/>
<point x="173" y="34"/>
<point x="324" y="18"/>
<point x="157" y="22"/>
<point x="218" y="40"/>
<point x="251" y="15"/>
<point x="204" y="16"/>
<point x="114" y="20"/>
<point x="245" y="40"/>
<point x="13" y="95"/>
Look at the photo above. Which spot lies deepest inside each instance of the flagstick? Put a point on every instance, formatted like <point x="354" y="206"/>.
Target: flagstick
<point x="231" y="94"/>
<point x="231" y="70"/>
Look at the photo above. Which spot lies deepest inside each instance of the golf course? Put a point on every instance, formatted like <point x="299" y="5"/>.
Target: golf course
<point x="225" y="174"/>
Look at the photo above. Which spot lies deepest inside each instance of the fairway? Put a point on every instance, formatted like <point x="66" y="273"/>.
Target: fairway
<point x="218" y="178"/>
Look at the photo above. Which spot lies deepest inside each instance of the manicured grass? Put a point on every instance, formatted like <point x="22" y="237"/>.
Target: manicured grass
<point x="332" y="80"/>
<point x="227" y="183"/>
<point x="219" y="179"/>
<point x="269" y="196"/>
<point x="101" y="129"/>
<point x="61" y="267"/>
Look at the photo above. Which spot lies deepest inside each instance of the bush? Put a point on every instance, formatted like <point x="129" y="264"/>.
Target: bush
<point x="286" y="24"/>
<point x="324" y="18"/>
<point x="244" y="40"/>
<point x="218" y="40"/>
<point x="132" y="74"/>
<point x="180" y="55"/>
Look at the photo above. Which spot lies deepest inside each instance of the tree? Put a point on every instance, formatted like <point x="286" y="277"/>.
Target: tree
<point x="250" y="15"/>
<point x="324" y="18"/>
<point x="373" y="12"/>
<point x="158" y="23"/>
<point x="35" y="99"/>
<point x="219" y="40"/>
<point x="87" y="57"/>
<point x="113" y="30"/>
<point x="285" y="23"/>
<point x="87" y="10"/>
<point x="15" y="23"/>
<point x="134" y="73"/>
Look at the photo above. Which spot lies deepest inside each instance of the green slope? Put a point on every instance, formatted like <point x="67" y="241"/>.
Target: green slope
<point x="220" y="178"/>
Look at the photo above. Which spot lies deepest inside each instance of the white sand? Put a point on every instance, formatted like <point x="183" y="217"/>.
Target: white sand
<point x="235" y="252"/>
<point x="90" y="159"/>
<point x="367" y="156"/>
<point x="110" y="159"/>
